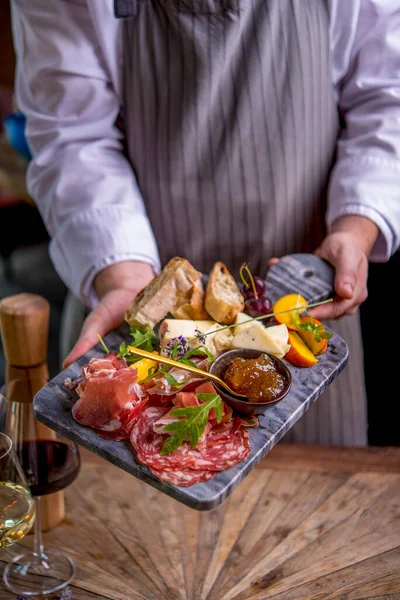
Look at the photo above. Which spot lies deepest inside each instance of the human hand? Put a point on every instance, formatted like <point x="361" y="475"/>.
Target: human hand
<point x="116" y="286"/>
<point x="347" y="248"/>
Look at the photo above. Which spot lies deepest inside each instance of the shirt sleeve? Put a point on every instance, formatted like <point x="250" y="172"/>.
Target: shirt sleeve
<point x="366" y="177"/>
<point x="79" y="177"/>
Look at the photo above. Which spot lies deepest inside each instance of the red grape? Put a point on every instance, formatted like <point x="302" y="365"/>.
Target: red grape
<point x="260" y="285"/>
<point x="257" y="308"/>
<point x="248" y="293"/>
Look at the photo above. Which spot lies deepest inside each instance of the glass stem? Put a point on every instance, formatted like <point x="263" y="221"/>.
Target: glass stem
<point x="38" y="549"/>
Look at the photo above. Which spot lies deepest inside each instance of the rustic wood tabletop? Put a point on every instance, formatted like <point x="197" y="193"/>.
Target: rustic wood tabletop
<point x="309" y="523"/>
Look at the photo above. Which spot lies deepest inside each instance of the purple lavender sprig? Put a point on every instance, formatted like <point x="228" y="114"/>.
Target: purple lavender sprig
<point x="177" y="347"/>
<point x="200" y="336"/>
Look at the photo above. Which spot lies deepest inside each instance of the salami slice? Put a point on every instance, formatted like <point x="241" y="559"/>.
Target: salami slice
<point x="147" y="444"/>
<point x="217" y="452"/>
<point x="223" y="450"/>
<point x="184" y="478"/>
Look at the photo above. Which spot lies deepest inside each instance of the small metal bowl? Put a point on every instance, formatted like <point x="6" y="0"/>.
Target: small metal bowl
<point x="248" y="408"/>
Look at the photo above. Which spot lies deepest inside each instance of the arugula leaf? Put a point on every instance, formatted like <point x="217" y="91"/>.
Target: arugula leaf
<point x="198" y="351"/>
<point x="192" y="423"/>
<point x="171" y="380"/>
<point x="188" y="362"/>
<point x="143" y="338"/>
<point x="123" y="349"/>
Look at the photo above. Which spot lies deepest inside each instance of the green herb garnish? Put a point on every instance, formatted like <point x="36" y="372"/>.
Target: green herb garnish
<point x="192" y="423"/>
<point x="106" y="350"/>
<point x="199" y="351"/>
<point x="171" y="379"/>
<point x="142" y="338"/>
<point x="311" y="326"/>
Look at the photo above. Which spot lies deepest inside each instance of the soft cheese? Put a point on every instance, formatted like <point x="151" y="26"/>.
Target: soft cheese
<point x="173" y="328"/>
<point x="217" y="342"/>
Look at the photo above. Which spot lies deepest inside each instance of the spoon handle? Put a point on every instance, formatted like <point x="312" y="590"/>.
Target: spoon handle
<point x="175" y="363"/>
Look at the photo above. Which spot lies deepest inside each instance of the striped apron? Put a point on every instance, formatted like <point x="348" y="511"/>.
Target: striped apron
<point x="231" y="129"/>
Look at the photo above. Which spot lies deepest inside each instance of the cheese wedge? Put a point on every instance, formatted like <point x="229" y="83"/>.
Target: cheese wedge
<point x="219" y="342"/>
<point x="239" y="320"/>
<point x="279" y="333"/>
<point x="173" y="328"/>
<point x="257" y="337"/>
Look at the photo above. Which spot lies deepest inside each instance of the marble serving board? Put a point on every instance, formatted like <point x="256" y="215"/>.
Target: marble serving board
<point x="301" y="273"/>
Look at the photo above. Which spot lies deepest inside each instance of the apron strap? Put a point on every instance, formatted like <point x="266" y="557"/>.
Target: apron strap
<point x="125" y="8"/>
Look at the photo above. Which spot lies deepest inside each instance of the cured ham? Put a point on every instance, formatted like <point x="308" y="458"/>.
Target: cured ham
<point x="110" y="399"/>
<point x="112" y="402"/>
<point x="160" y="386"/>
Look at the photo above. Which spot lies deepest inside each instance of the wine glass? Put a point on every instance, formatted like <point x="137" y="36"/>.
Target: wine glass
<point x="17" y="507"/>
<point x="51" y="463"/>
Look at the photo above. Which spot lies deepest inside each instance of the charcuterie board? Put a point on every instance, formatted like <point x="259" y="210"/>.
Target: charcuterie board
<point x="301" y="273"/>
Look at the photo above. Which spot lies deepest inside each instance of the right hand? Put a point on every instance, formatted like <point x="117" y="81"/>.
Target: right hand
<point x="116" y="286"/>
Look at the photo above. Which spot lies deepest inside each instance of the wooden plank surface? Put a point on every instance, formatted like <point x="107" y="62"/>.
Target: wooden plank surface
<point x="328" y="528"/>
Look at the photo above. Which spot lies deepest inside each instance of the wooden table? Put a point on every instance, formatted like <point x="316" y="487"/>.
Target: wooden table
<point x="310" y="523"/>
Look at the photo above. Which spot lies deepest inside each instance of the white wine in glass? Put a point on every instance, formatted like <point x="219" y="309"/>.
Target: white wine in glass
<point x="17" y="508"/>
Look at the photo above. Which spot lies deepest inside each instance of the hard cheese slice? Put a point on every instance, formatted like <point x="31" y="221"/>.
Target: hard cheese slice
<point x="257" y="337"/>
<point x="241" y="318"/>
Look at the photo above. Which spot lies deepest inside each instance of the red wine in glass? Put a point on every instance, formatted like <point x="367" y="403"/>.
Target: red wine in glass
<point x="49" y="465"/>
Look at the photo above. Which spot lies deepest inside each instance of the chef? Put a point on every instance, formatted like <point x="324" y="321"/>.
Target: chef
<point x="215" y="130"/>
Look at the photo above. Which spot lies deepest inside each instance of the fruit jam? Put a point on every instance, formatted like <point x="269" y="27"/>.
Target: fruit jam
<point x="256" y="378"/>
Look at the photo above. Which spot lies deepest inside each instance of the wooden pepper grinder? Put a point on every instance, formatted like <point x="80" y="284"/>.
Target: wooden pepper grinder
<point x="24" y="324"/>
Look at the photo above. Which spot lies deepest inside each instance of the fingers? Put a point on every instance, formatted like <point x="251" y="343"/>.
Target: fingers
<point x="351" y="277"/>
<point x="273" y="261"/>
<point x="108" y="314"/>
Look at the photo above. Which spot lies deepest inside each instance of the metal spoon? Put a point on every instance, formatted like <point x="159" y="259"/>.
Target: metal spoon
<point x="175" y="363"/>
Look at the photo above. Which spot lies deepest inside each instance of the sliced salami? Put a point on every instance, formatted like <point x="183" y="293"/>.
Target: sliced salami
<point x="222" y="450"/>
<point x="184" y="478"/>
<point x="217" y="452"/>
<point x="147" y="444"/>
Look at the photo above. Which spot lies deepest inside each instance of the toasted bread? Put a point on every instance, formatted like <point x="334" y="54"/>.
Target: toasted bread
<point x="223" y="298"/>
<point x="173" y="287"/>
<point x="194" y="309"/>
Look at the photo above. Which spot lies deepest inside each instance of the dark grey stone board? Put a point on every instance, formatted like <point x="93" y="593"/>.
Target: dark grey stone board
<point x="305" y="274"/>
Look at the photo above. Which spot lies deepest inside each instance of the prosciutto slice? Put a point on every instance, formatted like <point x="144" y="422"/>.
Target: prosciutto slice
<point x="110" y="400"/>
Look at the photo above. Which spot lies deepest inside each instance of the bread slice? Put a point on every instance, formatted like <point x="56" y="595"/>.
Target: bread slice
<point x="223" y="298"/>
<point x="164" y="294"/>
<point x="194" y="309"/>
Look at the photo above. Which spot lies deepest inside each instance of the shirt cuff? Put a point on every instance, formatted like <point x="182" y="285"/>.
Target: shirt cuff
<point x="368" y="187"/>
<point x="95" y="239"/>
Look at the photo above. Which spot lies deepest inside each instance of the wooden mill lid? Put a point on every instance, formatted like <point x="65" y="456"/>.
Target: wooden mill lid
<point x="24" y="323"/>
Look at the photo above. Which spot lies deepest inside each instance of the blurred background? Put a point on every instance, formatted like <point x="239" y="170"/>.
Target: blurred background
<point x="25" y="265"/>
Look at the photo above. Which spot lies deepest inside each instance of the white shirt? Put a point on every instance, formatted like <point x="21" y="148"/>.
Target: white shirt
<point x="69" y="85"/>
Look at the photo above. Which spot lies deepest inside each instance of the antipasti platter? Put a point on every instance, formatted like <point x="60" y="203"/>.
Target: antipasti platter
<point x="177" y="431"/>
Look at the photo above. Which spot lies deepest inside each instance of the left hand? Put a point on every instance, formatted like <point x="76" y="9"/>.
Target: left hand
<point x="347" y="248"/>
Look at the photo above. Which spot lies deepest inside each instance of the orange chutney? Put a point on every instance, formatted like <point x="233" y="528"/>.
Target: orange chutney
<point x="256" y="378"/>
